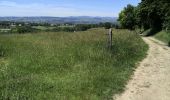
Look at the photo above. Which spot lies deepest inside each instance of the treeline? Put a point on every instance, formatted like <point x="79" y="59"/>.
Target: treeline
<point x="149" y="14"/>
<point x="84" y="27"/>
<point x="20" y="27"/>
<point x="24" y="29"/>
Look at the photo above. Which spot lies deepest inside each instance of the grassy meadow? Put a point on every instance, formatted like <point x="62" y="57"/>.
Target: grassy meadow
<point x="43" y="28"/>
<point x="67" y="66"/>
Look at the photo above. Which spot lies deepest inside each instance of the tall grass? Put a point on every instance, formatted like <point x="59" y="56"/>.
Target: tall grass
<point x="163" y="36"/>
<point x="67" y="66"/>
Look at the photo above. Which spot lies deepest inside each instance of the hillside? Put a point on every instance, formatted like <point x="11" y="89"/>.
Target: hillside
<point x="67" y="65"/>
<point x="61" y="20"/>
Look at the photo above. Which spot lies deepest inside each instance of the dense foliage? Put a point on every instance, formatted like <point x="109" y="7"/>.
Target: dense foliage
<point x="127" y="17"/>
<point x="154" y="14"/>
<point x="21" y="27"/>
<point x="25" y="29"/>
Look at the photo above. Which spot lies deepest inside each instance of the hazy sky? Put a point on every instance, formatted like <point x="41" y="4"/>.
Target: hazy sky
<point x="62" y="8"/>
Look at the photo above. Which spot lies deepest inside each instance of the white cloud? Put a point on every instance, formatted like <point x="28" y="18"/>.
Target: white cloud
<point x="37" y="9"/>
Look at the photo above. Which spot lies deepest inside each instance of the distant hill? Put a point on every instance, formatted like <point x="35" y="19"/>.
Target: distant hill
<point x="61" y="20"/>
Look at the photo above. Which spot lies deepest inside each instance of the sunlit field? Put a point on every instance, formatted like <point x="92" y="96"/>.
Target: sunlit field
<point x="67" y="66"/>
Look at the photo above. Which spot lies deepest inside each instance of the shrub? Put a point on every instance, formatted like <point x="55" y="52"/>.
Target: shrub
<point x="107" y="25"/>
<point x="25" y="29"/>
<point x="82" y="27"/>
<point x="166" y="24"/>
<point x="57" y="29"/>
<point x="68" y="29"/>
<point x="152" y="31"/>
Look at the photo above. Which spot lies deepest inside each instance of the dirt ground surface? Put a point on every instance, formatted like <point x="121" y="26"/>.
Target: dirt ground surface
<point x="151" y="80"/>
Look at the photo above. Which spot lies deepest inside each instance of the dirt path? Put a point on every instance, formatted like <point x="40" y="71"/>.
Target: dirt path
<point x="151" y="80"/>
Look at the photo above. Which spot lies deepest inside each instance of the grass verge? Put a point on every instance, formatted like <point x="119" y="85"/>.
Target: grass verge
<point x="68" y="66"/>
<point x="163" y="36"/>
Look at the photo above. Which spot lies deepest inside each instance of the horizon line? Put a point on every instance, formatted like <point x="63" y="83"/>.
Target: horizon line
<point x="61" y="16"/>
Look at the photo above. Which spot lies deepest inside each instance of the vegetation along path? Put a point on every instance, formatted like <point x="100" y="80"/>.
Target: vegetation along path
<point x="151" y="80"/>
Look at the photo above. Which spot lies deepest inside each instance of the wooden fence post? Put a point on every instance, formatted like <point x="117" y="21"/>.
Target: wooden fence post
<point x="110" y="38"/>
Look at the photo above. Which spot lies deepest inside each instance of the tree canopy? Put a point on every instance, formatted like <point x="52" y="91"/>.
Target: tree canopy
<point x="127" y="17"/>
<point x="154" y="14"/>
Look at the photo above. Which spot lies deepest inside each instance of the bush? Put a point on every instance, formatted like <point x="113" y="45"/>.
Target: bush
<point x="82" y="27"/>
<point x="169" y="43"/>
<point x="57" y="29"/>
<point x="68" y="29"/>
<point x="108" y="25"/>
<point x="166" y="24"/>
<point x="152" y="32"/>
<point x="25" y="29"/>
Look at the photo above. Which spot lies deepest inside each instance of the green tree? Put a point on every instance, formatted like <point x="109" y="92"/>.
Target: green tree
<point x="107" y="25"/>
<point x="127" y="17"/>
<point x="154" y="14"/>
<point x="25" y="29"/>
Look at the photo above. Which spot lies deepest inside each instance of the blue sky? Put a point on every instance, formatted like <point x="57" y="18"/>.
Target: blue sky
<point x="63" y="8"/>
